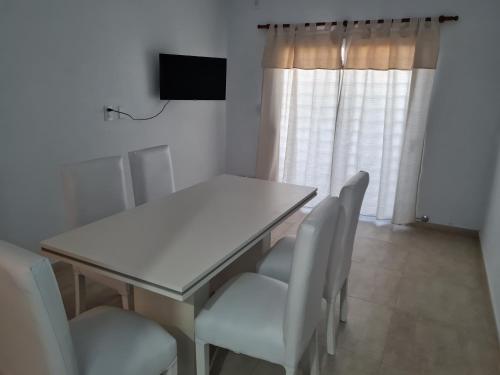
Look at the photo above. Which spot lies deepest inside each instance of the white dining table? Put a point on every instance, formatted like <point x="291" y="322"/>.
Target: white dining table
<point x="176" y="250"/>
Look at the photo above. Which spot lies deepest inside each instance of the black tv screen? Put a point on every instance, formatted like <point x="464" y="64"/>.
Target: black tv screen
<point x="192" y="78"/>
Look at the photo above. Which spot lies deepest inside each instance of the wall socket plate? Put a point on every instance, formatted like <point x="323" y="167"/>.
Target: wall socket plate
<point x="112" y="116"/>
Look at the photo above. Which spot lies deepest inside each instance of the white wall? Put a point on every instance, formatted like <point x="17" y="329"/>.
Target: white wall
<point x="61" y="62"/>
<point x="465" y="107"/>
<point x="490" y="240"/>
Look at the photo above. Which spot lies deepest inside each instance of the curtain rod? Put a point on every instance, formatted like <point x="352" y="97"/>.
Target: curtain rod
<point x="442" y="19"/>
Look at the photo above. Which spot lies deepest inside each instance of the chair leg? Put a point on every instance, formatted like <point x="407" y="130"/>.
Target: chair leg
<point x="128" y="298"/>
<point x="173" y="369"/>
<point x="331" y="327"/>
<point x="202" y="358"/>
<point x="343" y="302"/>
<point x="314" y="354"/>
<point x="80" y="292"/>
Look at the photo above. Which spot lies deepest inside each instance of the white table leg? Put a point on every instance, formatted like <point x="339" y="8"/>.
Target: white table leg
<point x="80" y="292"/>
<point x="179" y="317"/>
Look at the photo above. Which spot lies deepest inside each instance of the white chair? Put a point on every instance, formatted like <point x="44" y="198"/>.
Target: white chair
<point x="36" y="337"/>
<point x="152" y="173"/>
<point x="277" y="263"/>
<point x="93" y="190"/>
<point x="268" y="319"/>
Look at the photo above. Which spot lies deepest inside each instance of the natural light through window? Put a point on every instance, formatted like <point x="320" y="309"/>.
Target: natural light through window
<point x="334" y="123"/>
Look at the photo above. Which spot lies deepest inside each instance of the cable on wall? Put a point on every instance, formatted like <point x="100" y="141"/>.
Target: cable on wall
<point x="109" y="109"/>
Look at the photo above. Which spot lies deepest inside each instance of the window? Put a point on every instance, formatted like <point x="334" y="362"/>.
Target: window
<point x="345" y="100"/>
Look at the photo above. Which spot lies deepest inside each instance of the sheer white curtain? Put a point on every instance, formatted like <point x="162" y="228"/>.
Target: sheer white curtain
<point x="302" y="68"/>
<point x="367" y="113"/>
<point x="308" y="128"/>
<point x="370" y="135"/>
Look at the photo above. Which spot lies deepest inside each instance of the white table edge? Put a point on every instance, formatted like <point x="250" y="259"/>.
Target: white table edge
<point x="183" y="295"/>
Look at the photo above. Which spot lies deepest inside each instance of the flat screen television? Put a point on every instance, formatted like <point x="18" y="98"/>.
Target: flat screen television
<point x="192" y="77"/>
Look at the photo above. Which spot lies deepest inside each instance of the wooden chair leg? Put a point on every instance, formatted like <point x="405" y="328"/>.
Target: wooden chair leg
<point x="202" y="358"/>
<point x="343" y="302"/>
<point x="80" y="292"/>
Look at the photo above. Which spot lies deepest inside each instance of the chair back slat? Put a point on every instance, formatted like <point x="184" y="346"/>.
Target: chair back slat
<point x="351" y="197"/>
<point x="94" y="189"/>
<point x="307" y="279"/>
<point x="152" y="173"/>
<point x="34" y="331"/>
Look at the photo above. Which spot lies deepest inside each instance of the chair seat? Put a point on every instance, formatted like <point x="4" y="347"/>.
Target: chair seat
<point x="246" y="316"/>
<point x="108" y="340"/>
<point x="278" y="262"/>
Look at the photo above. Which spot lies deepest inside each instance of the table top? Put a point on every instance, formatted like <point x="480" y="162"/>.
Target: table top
<point x="174" y="242"/>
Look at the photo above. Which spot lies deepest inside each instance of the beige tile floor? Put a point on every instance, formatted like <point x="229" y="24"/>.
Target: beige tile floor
<point x="418" y="305"/>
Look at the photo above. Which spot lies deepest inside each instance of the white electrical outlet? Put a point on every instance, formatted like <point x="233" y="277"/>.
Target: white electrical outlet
<point x="110" y="115"/>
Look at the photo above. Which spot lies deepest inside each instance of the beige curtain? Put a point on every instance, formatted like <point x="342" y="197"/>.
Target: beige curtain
<point x="337" y="100"/>
<point x="296" y="47"/>
<point x="380" y="46"/>
<point x="303" y="47"/>
<point x="392" y="45"/>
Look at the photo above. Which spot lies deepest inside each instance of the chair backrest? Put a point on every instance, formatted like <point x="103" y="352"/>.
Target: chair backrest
<point x="94" y="189"/>
<point x="351" y="197"/>
<point x="34" y="331"/>
<point x="336" y="260"/>
<point x="152" y="173"/>
<point x="307" y="278"/>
